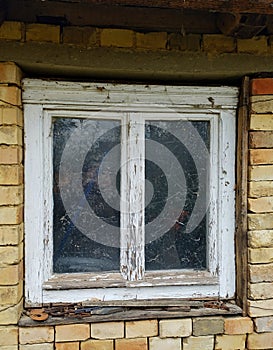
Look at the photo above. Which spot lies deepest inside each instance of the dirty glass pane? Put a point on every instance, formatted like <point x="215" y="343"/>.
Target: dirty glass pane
<point x="86" y="162"/>
<point x="176" y="187"/>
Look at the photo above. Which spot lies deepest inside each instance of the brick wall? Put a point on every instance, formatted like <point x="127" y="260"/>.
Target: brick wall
<point x="252" y="332"/>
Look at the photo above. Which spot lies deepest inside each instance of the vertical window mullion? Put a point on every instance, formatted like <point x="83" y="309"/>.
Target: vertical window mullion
<point x="132" y="198"/>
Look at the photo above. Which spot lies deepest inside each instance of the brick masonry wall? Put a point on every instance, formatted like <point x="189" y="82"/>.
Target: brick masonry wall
<point x="252" y="332"/>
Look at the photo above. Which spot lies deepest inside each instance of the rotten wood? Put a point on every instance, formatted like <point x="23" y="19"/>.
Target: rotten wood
<point x="241" y="194"/>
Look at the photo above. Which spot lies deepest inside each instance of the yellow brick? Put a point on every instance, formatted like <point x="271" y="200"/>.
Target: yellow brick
<point x="10" y="347"/>
<point x="260" y="308"/>
<point x="11" y="135"/>
<point x="97" y="345"/>
<point x="198" y="343"/>
<point x="165" y="343"/>
<point x="10" y="95"/>
<point x="261" y="156"/>
<point x="11" y="175"/>
<point x="11" y="215"/>
<point x="11" y="255"/>
<point x="11" y="155"/>
<point x="261" y="139"/>
<point x="260" y="205"/>
<point x="132" y="344"/>
<point x="72" y="332"/>
<point x="11" y="275"/>
<point x="11" y="195"/>
<point x="32" y="335"/>
<point x="11" y="116"/>
<point x="11" y="31"/>
<point x="11" y="295"/>
<point x="238" y="325"/>
<point x="256" y="45"/>
<point x="107" y="330"/>
<point x="260" y="290"/>
<point x="261" y="122"/>
<point x="151" y="41"/>
<point x="11" y="235"/>
<point x="260" y="255"/>
<point x="80" y="36"/>
<point x="8" y="336"/>
<point x="216" y="43"/>
<point x="175" y="328"/>
<point x="45" y="346"/>
<point x="10" y="315"/>
<point x="138" y="329"/>
<point x="262" y="104"/>
<point x="10" y="72"/>
<point x="260" y="341"/>
<point x="117" y="37"/>
<point x="263" y="324"/>
<point x="260" y="172"/>
<point x="43" y="33"/>
<point x="260" y="273"/>
<point x="260" y="221"/>
<point x="68" y="346"/>
<point x="260" y="239"/>
<point x="260" y="189"/>
<point x="229" y="342"/>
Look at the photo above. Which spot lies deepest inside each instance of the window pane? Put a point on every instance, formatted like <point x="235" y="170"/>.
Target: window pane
<point x="86" y="162"/>
<point x="176" y="187"/>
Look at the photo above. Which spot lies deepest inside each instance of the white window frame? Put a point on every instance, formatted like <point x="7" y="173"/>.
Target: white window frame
<point x="44" y="100"/>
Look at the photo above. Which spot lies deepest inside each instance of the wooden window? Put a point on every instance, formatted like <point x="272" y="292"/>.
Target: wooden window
<point x="129" y="191"/>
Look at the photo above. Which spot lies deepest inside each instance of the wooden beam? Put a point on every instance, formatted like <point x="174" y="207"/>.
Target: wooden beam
<point x="232" y="6"/>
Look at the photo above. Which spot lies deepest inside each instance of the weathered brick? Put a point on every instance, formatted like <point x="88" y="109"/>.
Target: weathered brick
<point x="34" y="335"/>
<point x="260" y="255"/>
<point x="261" y="273"/>
<point x="11" y="195"/>
<point x="10" y="315"/>
<point x="259" y="308"/>
<point x="263" y="324"/>
<point x="260" y="221"/>
<point x="260" y="239"/>
<point x="11" y="235"/>
<point x="260" y="290"/>
<point x="260" y="205"/>
<point x="165" y="343"/>
<point x="117" y="37"/>
<point x="260" y="189"/>
<point x="11" y="30"/>
<point x="261" y="86"/>
<point x="8" y="335"/>
<point x="10" y="95"/>
<point x="229" y="342"/>
<point x="45" y="346"/>
<point x="260" y="172"/>
<point x="193" y="42"/>
<point x="108" y="330"/>
<point x="43" y="33"/>
<point x="11" y="255"/>
<point x="9" y="71"/>
<point x="261" y="104"/>
<point x="139" y="329"/>
<point x="132" y="344"/>
<point x="11" y="295"/>
<point x="261" y="156"/>
<point x="11" y="215"/>
<point x="11" y="275"/>
<point x="80" y="36"/>
<point x="9" y="347"/>
<point x="208" y="326"/>
<point x="11" y="135"/>
<point x="151" y="40"/>
<point x="72" y="332"/>
<point x="256" y="45"/>
<point x="238" y="325"/>
<point x="198" y="343"/>
<point x="261" y="139"/>
<point x="176" y="41"/>
<point x="11" y="174"/>
<point x="215" y="43"/>
<point x="68" y="346"/>
<point x="97" y="345"/>
<point x="260" y="341"/>
<point x="11" y="116"/>
<point x="175" y="328"/>
<point x="10" y="155"/>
